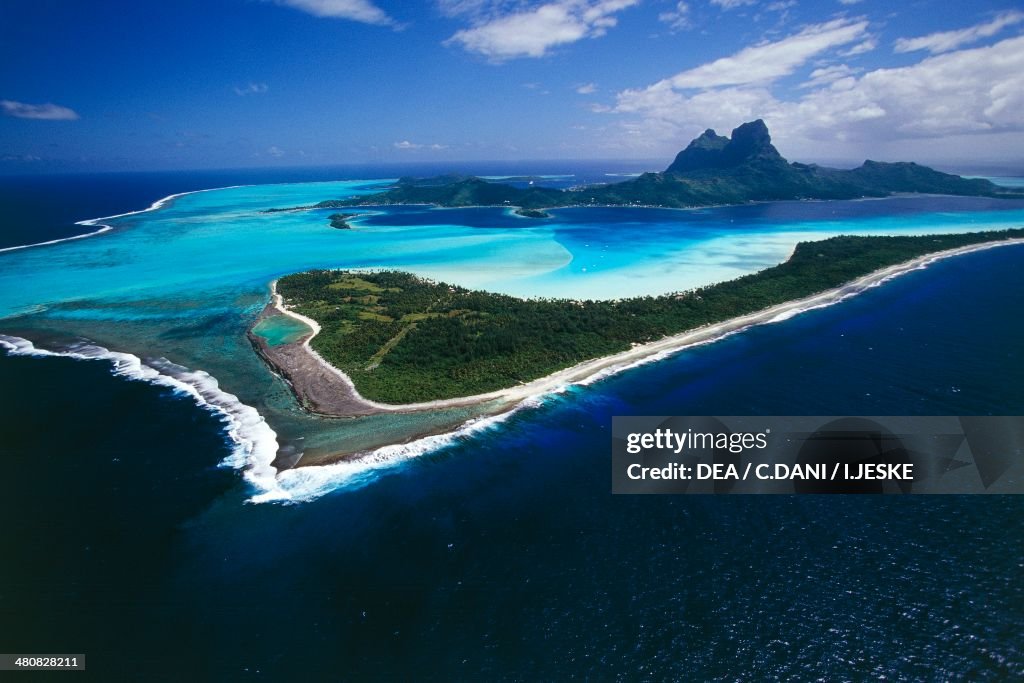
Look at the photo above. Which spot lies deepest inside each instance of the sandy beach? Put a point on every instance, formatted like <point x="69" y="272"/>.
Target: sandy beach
<point x="325" y="390"/>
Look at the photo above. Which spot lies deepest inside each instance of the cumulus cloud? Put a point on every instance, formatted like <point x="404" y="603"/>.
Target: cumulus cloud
<point x="951" y="40"/>
<point x="251" y="89"/>
<point x="678" y="18"/>
<point x="362" y="11"/>
<point x="533" y="31"/>
<point x="275" y="151"/>
<point x="966" y="92"/>
<point x="40" y="112"/>
<point x="586" y="89"/>
<point x="406" y="145"/>
<point x="969" y="91"/>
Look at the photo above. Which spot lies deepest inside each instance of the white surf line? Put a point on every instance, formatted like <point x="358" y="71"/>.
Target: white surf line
<point x="105" y="228"/>
<point x="93" y="222"/>
<point x="254" y="443"/>
<point x="307" y="483"/>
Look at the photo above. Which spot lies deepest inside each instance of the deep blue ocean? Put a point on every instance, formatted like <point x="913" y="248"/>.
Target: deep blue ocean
<point x="504" y="556"/>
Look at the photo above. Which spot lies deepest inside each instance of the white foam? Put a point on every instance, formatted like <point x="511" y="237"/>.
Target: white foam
<point x="303" y="484"/>
<point x="94" y="222"/>
<point x="103" y="227"/>
<point x="255" y="443"/>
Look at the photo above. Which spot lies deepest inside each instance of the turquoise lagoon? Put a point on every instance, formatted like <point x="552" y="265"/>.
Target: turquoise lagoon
<point x="179" y="285"/>
<point x="278" y="330"/>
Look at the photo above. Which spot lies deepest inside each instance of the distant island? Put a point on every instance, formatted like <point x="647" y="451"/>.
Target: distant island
<point x="403" y="340"/>
<point x="712" y="170"/>
<point x="340" y="220"/>
<point x="532" y="213"/>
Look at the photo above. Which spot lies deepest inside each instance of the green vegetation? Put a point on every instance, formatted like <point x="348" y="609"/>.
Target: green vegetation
<point x="336" y="220"/>
<point x="454" y="191"/>
<point x="403" y="339"/>
<point x="712" y="170"/>
<point x="288" y="208"/>
<point x="532" y="213"/>
<point x="340" y="220"/>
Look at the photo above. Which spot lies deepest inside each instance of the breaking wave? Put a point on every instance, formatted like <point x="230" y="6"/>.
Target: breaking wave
<point x="303" y="484"/>
<point x="254" y="442"/>
<point x="103" y="227"/>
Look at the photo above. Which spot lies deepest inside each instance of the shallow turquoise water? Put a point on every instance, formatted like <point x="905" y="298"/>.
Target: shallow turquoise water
<point x="185" y="281"/>
<point x="280" y="329"/>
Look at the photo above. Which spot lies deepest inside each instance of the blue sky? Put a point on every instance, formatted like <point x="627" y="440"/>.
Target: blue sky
<point x="226" y="83"/>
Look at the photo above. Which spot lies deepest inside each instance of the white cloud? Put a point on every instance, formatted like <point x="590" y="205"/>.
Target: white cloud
<point x="251" y="89"/>
<point x="951" y="40"/>
<point x="850" y="2"/>
<point x="677" y="19"/>
<point x="40" y="112"/>
<point x="860" y="48"/>
<point x="732" y="4"/>
<point x="275" y="151"/>
<point x="532" y="32"/>
<point x="477" y="8"/>
<point x="969" y="92"/>
<point x="828" y="74"/>
<point x="586" y="89"/>
<point x="406" y="145"/>
<point x="762" y="63"/>
<point x="537" y="88"/>
<point x="355" y="10"/>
